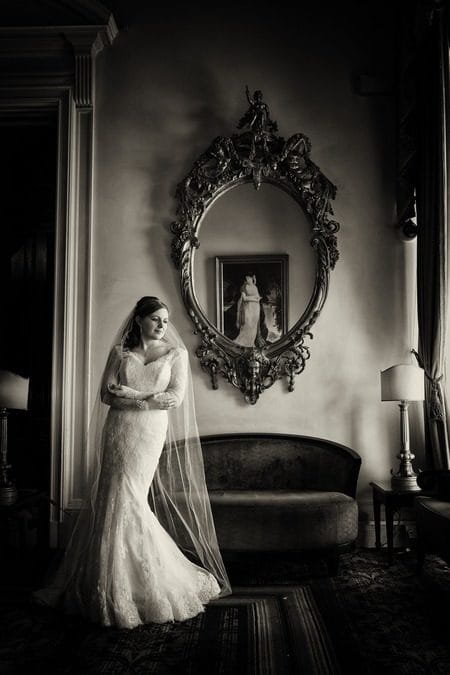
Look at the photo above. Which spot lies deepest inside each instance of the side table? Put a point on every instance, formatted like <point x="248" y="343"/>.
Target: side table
<point x="30" y="511"/>
<point x="393" y="500"/>
<point x="23" y="543"/>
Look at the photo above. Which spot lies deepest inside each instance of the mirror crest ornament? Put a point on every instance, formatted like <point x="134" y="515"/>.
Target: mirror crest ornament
<point x="257" y="154"/>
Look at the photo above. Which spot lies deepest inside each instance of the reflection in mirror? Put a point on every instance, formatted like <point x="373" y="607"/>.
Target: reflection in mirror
<point x="243" y="222"/>
<point x="252" y="295"/>
<point x="254" y="268"/>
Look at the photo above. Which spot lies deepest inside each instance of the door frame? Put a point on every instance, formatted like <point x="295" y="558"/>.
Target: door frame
<point x="52" y="68"/>
<point x="72" y="291"/>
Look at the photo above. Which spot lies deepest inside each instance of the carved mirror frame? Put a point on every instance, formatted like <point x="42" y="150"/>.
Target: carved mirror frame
<point x="257" y="154"/>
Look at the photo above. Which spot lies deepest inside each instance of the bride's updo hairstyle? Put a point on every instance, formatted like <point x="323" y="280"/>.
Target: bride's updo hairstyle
<point x="145" y="306"/>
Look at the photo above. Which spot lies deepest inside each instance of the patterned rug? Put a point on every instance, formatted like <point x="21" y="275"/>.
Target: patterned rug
<point x="388" y="619"/>
<point x="379" y="619"/>
<point x="284" y="618"/>
<point x="256" y="631"/>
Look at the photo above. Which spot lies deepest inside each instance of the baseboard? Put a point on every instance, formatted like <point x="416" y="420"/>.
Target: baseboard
<point x="404" y="526"/>
<point x="404" y="534"/>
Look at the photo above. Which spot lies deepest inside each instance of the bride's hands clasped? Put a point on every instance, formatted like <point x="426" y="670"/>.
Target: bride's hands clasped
<point x="121" y="390"/>
<point x="164" y="400"/>
<point x="161" y="401"/>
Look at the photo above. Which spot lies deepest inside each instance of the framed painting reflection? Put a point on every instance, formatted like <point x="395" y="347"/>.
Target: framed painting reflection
<point x="252" y="298"/>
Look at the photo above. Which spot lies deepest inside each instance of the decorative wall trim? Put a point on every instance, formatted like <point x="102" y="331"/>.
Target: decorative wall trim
<point x="87" y="42"/>
<point x="52" y="68"/>
<point x="83" y="80"/>
<point x="58" y="55"/>
<point x="76" y="334"/>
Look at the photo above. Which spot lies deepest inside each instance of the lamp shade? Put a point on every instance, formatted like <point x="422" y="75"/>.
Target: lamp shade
<point x="13" y="391"/>
<point x="403" y="382"/>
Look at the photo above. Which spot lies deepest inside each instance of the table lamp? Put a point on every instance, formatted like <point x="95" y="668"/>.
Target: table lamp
<point x="403" y="382"/>
<point x="13" y="396"/>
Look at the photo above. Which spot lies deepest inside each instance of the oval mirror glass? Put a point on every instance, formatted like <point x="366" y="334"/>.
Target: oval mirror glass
<point x="264" y="235"/>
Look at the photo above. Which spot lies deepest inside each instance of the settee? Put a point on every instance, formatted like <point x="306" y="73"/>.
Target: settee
<point x="282" y="493"/>
<point x="432" y="510"/>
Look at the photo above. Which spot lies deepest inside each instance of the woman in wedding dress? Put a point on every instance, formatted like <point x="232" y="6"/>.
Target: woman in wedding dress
<point x="248" y="312"/>
<point x="124" y="565"/>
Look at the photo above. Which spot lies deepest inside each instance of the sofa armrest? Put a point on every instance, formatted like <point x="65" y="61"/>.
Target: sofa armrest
<point x="436" y="482"/>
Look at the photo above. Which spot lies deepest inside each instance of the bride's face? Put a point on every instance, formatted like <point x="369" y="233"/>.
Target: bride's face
<point x="154" y="325"/>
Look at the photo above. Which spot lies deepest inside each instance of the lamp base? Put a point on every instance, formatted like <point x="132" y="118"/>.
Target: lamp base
<point x="404" y="483"/>
<point x="8" y="495"/>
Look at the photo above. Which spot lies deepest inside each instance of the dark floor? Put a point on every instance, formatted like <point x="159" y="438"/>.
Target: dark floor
<point x="378" y="618"/>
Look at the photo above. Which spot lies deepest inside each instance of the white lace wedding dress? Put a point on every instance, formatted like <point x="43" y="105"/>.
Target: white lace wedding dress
<point x="131" y="571"/>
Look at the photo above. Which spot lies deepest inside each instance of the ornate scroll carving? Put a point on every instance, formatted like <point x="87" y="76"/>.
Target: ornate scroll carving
<point x="257" y="154"/>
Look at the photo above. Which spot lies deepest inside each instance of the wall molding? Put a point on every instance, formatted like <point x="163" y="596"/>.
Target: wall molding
<point x="53" y="68"/>
<point x="404" y="526"/>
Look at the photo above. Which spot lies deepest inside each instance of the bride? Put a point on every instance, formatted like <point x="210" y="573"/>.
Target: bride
<point x="129" y="563"/>
<point x="248" y="312"/>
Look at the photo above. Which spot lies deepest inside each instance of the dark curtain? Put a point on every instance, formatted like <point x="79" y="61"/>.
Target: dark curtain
<point x="432" y="120"/>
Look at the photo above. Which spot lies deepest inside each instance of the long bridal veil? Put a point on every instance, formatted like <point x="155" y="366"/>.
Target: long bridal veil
<point x="178" y="493"/>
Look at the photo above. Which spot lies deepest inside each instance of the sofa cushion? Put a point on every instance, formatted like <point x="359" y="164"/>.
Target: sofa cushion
<point x="434" y="507"/>
<point x="273" y="520"/>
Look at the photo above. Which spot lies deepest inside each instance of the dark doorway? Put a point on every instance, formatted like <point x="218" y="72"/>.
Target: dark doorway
<point x="27" y="270"/>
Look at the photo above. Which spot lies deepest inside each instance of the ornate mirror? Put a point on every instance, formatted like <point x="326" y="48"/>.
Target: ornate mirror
<point x="255" y="241"/>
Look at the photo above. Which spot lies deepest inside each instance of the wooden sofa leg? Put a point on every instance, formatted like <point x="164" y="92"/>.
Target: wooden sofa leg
<point x="333" y="563"/>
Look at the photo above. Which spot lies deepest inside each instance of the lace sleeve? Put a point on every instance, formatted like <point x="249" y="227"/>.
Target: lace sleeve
<point x="178" y="377"/>
<point x="111" y="376"/>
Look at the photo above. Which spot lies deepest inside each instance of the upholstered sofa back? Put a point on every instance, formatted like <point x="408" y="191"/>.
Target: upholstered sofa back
<point x="279" y="462"/>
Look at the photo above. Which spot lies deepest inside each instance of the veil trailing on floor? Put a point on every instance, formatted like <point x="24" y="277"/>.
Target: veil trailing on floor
<point x="178" y="494"/>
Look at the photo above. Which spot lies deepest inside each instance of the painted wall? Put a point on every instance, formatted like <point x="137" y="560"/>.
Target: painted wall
<point x="170" y="84"/>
